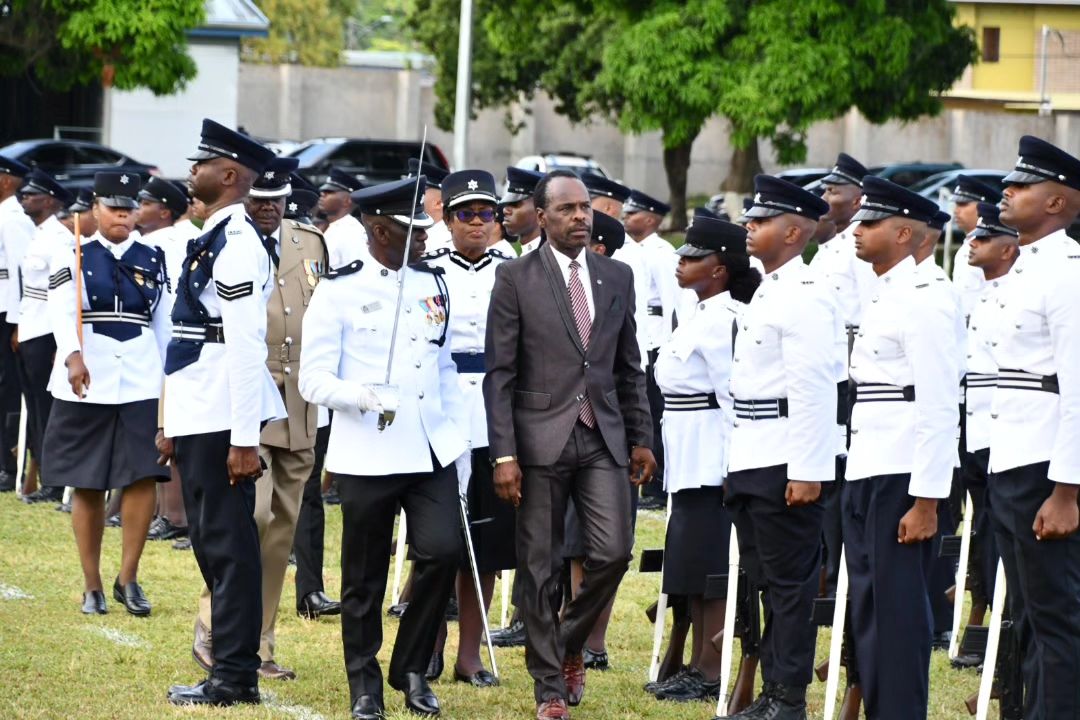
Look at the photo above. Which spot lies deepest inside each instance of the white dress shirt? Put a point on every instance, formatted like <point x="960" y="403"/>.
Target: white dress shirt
<point x="347" y="332"/>
<point x="788" y="348"/>
<point x="229" y="387"/>
<point x="528" y="247"/>
<point x="346" y="241"/>
<point x="1038" y="331"/>
<point x="967" y="278"/>
<point x="564" y="261"/>
<point x="981" y="367"/>
<point x="50" y="238"/>
<point x="16" y="231"/>
<point x="907" y="338"/>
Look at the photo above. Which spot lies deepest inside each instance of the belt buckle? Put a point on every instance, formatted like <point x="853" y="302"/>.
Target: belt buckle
<point x="753" y="409"/>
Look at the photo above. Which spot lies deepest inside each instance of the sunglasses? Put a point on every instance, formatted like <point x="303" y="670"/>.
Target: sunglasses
<point x="467" y="216"/>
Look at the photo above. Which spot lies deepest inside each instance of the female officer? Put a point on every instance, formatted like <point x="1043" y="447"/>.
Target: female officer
<point x="106" y="380"/>
<point x="693" y="371"/>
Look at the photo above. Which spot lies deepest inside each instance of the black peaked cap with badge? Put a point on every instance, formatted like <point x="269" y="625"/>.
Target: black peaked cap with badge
<point x="968" y="189"/>
<point x="166" y="193"/>
<point x="940" y="219"/>
<point x="402" y="201"/>
<point x="1040" y="161"/>
<point x="432" y="173"/>
<point x="607" y="231"/>
<point x="600" y="186"/>
<point x="773" y="196"/>
<point x="704" y="212"/>
<point x="846" y="171"/>
<point x="299" y="182"/>
<point x="466" y="186"/>
<point x="39" y="182"/>
<point x="117" y="189"/>
<point x="520" y="185"/>
<point x="83" y="202"/>
<point x="275" y="181"/>
<point x="340" y="181"/>
<point x="883" y="199"/>
<point x="640" y="202"/>
<point x="11" y="166"/>
<point x="218" y="141"/>
<point x="990" y="224"/>
<point x="299" y="204"/>
<point x="706" y="236"/>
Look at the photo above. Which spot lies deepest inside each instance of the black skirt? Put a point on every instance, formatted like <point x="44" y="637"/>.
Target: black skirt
<point x="697" y="540"/>
<point x="492" y="519"/>
<point x="101" y="447"/>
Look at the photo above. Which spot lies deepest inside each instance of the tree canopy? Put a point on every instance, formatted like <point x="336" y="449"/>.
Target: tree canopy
<point x="772" y="68"/>
<point x="125" y="43"/>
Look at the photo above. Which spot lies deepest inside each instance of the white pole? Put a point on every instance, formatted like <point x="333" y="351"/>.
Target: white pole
<point x="505" y="598"/>
<point x="836" y="643"/>
<point x="945" y="196"/>
<point x="399" y="560"/>
<point x="986" y="683"/>
<point x="20" y="452"/>
<point x="728" y="648"/>
<point x="961" y="579"/>
<point x="463" y="99"/>
<point x="1044" y="101"/>
<point x="661" y="613"/>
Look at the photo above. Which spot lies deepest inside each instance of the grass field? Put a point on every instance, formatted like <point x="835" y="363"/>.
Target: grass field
<point x="56" y="663"/>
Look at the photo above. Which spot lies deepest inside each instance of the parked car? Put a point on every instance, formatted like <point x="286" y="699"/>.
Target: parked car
<point x="931" y="187"/>
<point x="803" y="176"/>
<point x="74" y="162"/>
<point x="371" y="161"/>
<point x="546" y="162"/>
<point x="907" y="174"/>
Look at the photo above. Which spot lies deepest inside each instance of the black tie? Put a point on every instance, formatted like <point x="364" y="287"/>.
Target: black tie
<point x="268" y="243"/>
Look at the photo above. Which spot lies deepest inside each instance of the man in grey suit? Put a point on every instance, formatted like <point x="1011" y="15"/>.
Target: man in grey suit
<point x="567" y="416"/>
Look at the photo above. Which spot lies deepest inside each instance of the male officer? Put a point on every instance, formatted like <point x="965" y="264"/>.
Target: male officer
<point x="345" y="237"/>
<point x="519" y="214"/>
<point x="380" y="464"/>
<point x="786" y="361"/>
<point x="16" y="230"/>
<point x="967" y="194"/>
<point x="438" y="237"/>
<point x="218" y="394"/>
<point x="81" y="206"/>
<point x="606" y="195"/>
<point x="1034" y="426"/>
<point x="905" y="365"/>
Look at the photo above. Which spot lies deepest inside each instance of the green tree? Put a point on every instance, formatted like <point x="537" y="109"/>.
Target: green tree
<point x="308" y="32"/>
<point x="123" y="43"/>
<point x="772" y="68"/>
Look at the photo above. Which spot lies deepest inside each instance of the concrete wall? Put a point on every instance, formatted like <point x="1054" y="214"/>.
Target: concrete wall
<point x="165" y="130"/>
<point x="290" y="102"/>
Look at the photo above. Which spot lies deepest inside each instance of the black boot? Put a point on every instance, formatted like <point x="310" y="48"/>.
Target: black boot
<point x="754" y="710"/>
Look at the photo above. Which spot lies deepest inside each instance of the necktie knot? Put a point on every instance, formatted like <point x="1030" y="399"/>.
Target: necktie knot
<point x="574" y="265"/>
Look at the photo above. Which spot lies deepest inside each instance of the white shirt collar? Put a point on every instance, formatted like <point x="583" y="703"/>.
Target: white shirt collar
<point x="221" y="214"/>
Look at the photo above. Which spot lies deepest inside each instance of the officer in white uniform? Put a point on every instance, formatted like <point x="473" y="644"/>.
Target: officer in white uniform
<point x="346" y="239"/>
<point x="519" y="213"/>
<point x="218" y="395"/>
<point x="438" y="237"/>
<point x="783" y="381"/>
<point x="161" y="205"/>
<point x="966" y="195"/>
<point x="16" y="230"/>
<point x="1034" y="426"/>
<point x="905" y="367"/>
<point x="347" y="338"/>
<point x="42" y="197"/>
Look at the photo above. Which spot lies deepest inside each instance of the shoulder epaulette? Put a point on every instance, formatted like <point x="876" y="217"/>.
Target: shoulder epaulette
<point x="424" y="267"/>
<point x="499" y="254"/>
<point x="349" y="269"/>
<point x="437" y="254"/>
<point x="297" y="225"/>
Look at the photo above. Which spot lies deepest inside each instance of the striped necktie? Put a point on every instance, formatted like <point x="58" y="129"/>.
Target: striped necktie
<point x="580" y="305"/>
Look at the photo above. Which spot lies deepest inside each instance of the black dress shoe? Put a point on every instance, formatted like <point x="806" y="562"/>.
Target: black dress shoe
<point x="93" y="603"/>
<point x="45" y="494"/>
<point x="7" y="481"/>
<point x="481" y="678"/>
<point x="418" y="695"/>
<point x="652" y="502"/>
<point x="693" y="686"/>
<point x="132" y="598"/>
<point x="595" y="660"/>
<point x="368" y="707"/>
<point x="113" y="521"/>
<point x="655" y="685"/>
<point x="316" y="604"/>
<point x="435" y="666"/>
<point x="396" y="611"/>
<point x="512" y="636"/>
<point x="213" y="691"/>
<point x="163" y="529"/>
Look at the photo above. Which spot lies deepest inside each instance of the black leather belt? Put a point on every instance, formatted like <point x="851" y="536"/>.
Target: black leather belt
<point x="686" y="403"/>
<point x="980" y="380"/>
<point x="880" y="392"/>
<point x="198" y="332"/>
<point x="656" y="311"/>
<point x="1022" y="380"/>
<point x="761" y="409"/>
<point x="98" y="316"/>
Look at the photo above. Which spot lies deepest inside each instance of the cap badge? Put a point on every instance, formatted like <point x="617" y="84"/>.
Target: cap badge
<point x="124" y="180"/>
<point x="473" y="184"/>
<point x="757" y="198"/>
<point x="292" y="207"/>
<point x="269" y="174"/>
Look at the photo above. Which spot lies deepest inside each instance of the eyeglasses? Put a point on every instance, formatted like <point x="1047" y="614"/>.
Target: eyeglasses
<point x="466" y="216"/>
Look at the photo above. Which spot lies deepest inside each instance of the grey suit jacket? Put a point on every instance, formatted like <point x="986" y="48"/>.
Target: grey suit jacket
<point x="537" y="368"/>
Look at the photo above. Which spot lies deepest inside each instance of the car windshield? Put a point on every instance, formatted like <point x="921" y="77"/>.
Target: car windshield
<point x="311" y="152"/>
<point x="15" y="149"/>
<point x="931" y="181"/>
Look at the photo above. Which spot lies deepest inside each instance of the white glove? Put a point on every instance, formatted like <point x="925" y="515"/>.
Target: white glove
<point x="464" y="471"/>
<point x="377" y="398"/>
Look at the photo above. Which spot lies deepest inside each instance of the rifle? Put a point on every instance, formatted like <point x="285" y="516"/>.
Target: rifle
<point x="747" y="628"/>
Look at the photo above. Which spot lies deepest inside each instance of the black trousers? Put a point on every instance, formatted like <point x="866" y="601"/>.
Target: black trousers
<point x="601" y="489"/>
<point x="311" y="525"/>
<point x="34" y="361"/>
<point x="221" y="524"/>
<point x="832" y="534"/>
<point x="982" y="553"/>
<point x="888" y="599"/>
<point x="1043" y="578"/>
<point x="783" y="549"/>
<point x="10" y="406"/>
<point x="369" y="505"/>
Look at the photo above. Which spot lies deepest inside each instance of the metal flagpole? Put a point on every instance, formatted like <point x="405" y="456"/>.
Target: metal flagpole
<point x="986" y="683"/>
<point x="728" y="650"/>
<point x="836" y="643"/>
<point x="463" y="94"/>
<point x="661" y="613"/>
<point x="961" y="578"/>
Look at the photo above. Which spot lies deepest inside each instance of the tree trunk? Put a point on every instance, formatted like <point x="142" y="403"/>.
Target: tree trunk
<point x="745" y="164"/>
<point x="676" y="165"/>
